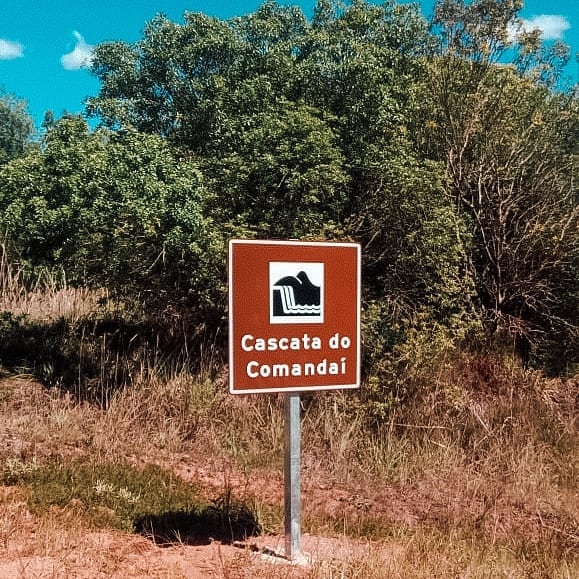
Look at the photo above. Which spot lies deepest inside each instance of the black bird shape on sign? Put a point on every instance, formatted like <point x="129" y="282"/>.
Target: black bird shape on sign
<point x="306" y="295"/>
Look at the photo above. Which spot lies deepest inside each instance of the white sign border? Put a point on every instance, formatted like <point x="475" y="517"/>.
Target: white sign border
<point x="281" y="390"/>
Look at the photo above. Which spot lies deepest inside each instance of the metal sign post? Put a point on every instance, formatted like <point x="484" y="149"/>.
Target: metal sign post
<point x="294" y="326"/>
<point x="292" y="477"/>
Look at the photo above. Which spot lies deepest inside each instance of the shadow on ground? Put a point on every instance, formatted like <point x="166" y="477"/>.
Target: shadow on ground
<point x="214" y="523"/>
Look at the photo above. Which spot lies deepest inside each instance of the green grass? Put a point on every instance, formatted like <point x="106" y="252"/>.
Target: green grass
<point x="103" y="495"/>
<point x="148" y="500"/>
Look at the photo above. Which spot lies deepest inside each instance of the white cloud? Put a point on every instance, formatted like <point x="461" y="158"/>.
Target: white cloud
<point x="10" y="49"/>
<point x="552" y="26"/>
<point x="80" y="56"/>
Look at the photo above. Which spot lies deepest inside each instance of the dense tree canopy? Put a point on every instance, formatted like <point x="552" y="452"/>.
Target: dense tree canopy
<point x="114" y="209"/>
<point x="508" y="141"/>
<point x="447" y="149"/>
<point x="293" y="122"/>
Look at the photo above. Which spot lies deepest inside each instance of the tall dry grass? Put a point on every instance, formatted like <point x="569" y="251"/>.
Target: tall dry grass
<point x="47" y="297"/>
<point x="474" y="475"/>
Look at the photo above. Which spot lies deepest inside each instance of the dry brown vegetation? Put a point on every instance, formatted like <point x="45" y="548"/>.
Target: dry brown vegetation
<point x="473" y="476"/>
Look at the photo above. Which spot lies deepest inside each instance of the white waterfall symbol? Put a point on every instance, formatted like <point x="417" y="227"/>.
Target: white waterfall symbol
<point x="289" y="305"/>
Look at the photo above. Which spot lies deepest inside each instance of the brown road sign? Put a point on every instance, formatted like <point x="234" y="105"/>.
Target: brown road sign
<point x="294" y="316"/>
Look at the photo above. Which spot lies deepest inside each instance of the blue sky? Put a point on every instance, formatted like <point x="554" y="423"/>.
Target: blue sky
<point x="43" y="43"/>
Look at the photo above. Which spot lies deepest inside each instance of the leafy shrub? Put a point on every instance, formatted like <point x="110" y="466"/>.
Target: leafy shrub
<point x="415" y="364"/>
<point x="113" y="209"/>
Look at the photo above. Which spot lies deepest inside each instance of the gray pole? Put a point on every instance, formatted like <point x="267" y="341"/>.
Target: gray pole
<point x="292" y="477"/>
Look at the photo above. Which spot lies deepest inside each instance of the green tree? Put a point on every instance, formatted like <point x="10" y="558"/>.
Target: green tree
<point x="475" y="30"/>
<point x="112" y="209"/>
<point x="193" y="81"/>
<point x="189" y="81"/>
<point x="508" y="140"/>
<point x="16" y="127"/>
<point x="284" y="176"/>
<point x="300" y="129"/>
<point x="415" y="244"/>
<point x="360" y="63"/>
<point x="488" y="32"/>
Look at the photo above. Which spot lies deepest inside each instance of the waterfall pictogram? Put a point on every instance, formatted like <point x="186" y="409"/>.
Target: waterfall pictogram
<point x="296" y="292"/>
